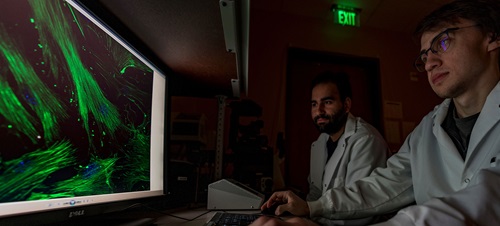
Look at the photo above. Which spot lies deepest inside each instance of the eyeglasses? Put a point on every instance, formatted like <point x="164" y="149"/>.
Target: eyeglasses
<point x="439" y="44"/>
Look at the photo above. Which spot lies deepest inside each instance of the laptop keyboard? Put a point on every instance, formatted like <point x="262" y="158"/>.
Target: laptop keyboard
<point x="232" y="219"/>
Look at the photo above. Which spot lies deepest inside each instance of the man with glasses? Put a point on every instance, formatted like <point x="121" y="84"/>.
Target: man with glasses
<point x="450" y="164"/>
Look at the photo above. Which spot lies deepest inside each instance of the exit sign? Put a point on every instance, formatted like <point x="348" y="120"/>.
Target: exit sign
<point x="346" y="16"/>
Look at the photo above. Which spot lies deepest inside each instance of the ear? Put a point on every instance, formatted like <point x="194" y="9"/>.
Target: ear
<point x="494" y="42"/>
<point x="347" y="104"/>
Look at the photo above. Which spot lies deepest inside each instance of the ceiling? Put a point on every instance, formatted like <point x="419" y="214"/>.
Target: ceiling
<point x="186" y="37"/>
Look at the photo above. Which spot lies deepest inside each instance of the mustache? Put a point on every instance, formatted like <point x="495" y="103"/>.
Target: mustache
<point x="322" y="117"/>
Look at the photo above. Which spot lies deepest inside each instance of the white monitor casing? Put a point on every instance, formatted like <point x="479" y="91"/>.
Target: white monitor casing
<point x="227" y="194"/>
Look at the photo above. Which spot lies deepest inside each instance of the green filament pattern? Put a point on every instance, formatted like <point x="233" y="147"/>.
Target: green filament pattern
<point x="78" y="129"/>
<point x="91" y="100"/>
<point x="24" y="175"/>
<point x="40" y="97"/>
<point x="12" y="109"/>
<point x="99" y="181"/>
<point x="139" y="158"/>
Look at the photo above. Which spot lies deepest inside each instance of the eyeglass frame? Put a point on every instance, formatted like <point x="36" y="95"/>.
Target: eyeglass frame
<point x="446" y="31"/>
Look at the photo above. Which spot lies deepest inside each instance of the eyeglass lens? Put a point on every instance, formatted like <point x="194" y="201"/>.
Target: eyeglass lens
<point x="439" y="45"/>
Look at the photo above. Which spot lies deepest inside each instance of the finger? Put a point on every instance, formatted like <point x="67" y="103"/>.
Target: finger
<point x="281" y="209"/>
<point x="267" y="204"/>
<point x="281" y="197"/>
<point x="275" y="197"/>
<point x="264" y="206"/>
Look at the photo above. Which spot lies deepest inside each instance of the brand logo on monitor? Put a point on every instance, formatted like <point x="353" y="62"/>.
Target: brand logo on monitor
<point x="76" y="213"/>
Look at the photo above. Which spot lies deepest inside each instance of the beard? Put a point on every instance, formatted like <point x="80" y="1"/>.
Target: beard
<point x="335" y="122"/>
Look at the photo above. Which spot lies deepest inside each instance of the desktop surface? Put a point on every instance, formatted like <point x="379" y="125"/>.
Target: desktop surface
<point x="206" y="215"/>
<point x="149" y="216"/>
<point x="186" y="217"/>
<point x="200" y="217"/>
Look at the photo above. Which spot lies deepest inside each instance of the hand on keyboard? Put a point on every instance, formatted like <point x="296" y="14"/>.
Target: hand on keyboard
<point x="287" y="201"/>
<point x="271" y="211"/>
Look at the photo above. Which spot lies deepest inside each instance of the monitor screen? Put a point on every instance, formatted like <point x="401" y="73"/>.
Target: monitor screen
<point x="82" y="114"/>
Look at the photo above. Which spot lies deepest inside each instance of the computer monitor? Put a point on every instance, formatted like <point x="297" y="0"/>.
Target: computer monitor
<point x="83" y="116"/>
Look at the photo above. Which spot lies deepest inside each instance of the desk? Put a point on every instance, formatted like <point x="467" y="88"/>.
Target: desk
<point x="190" y="214"/>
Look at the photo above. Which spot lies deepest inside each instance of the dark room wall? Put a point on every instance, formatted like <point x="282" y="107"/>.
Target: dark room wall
<point x="272" y="33"/>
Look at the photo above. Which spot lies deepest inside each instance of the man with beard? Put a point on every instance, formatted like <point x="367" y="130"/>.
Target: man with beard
<point x="347" y="149"/>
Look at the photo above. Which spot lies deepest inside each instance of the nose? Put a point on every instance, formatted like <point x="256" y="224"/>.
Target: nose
<point x="433" y="61"/>
<point x="321" y="108"/>
<point x="318" y="110"/>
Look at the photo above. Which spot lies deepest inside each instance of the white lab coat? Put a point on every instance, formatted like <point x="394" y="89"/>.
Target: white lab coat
<point x="359" y="150"/>
<point x="429" y="170"/>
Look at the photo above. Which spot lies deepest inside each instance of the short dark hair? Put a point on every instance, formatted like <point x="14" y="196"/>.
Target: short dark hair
<point x="341" y="79"/>
<point x="485" y="13"/>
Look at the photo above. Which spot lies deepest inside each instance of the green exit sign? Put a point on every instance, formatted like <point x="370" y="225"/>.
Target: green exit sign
<point x="346" y="16"/>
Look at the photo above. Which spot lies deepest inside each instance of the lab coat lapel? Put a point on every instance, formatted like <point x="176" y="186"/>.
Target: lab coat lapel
<point x="449" y="152"/>
<point x="332" y="165"/>
<point x="489" y="117"/>
<point x="318" y="156"/>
